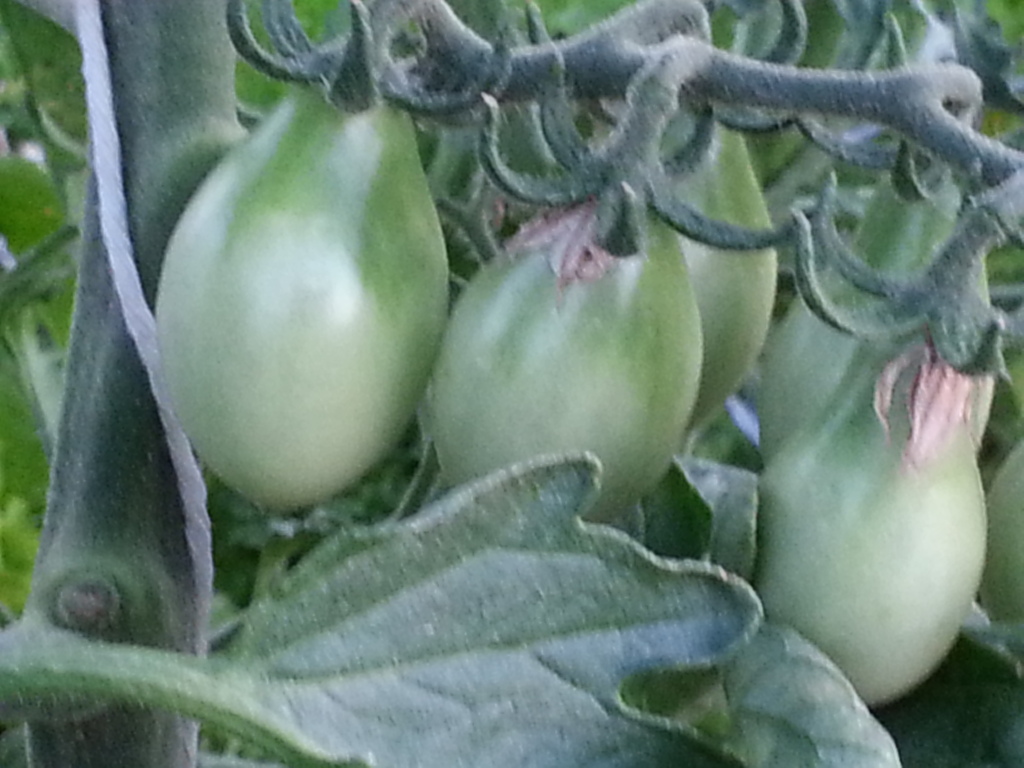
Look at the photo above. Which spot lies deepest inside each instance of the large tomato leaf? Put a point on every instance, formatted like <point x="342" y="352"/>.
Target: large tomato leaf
<point x="493" y="628"/>
<point x="731" y="494"/>
<point x="970" y="713"/>
<point x="12" y="749"/>
<point x="792" y="708"/>
<point x="704" y="509"/>
<point x="674" y="520"/>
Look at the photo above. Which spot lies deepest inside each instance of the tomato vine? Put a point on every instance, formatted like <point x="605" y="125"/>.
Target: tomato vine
<point x="620" y="121"/>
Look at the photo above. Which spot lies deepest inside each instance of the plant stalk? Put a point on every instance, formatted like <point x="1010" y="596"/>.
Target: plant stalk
<point x="122" y="558"/>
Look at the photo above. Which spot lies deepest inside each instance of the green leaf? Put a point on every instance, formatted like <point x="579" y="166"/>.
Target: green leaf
<point x="40" y="361"/>
<point x="12" y="749"/>
<point x="676" y="520"/>
<point x="19" y="542"/>
<point x="493" y="629"/>
<point x="731" y="495"/>
<point x="793" y="708"/>
<point x="1007" y="13"/>
<point x="969" y="714"/>
<point x="51" y="64"/>
<point x="30" y="208"/>
<point x="23" y="467"/>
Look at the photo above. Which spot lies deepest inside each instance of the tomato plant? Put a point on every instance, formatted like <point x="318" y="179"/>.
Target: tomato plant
<point x="302" y="300"/>
<point x="432" y="612"/>
<point x="535" y="363"/>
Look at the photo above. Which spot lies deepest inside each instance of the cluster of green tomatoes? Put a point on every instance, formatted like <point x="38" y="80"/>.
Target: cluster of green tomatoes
<point x="304" y="319"/>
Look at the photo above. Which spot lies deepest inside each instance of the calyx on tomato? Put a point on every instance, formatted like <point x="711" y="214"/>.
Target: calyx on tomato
<point x="302" y="301"/>
<point x="562" y="347"/>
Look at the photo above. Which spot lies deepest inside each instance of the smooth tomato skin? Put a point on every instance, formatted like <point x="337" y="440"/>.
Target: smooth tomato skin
<point x="1002" y="586"/>
<point x="735" y="289"/>
<point x="302" y="301"/>
<point x="875" y="562"/>
<point x="610" y="366"/>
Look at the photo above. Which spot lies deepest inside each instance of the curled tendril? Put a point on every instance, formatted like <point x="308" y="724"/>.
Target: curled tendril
<point x="719" y="234"/>
<point x="943" y="300"/>
<point x="841" y="257"/>
<point x="470" y="219"/>
<point x="555" y="109"/>
<point x="695" y="150"/>
<point x="909" y="174"/>
<point x="356" y="69"/>
<point x="663" y="179"/>
<point x="621" y="215"/>
<point x="792" y="39"/>
<point x="425" y="89"/>
<point x="753" y="121"/>
<point x="854" y="150"/>
<point x="886" y="308"/>
<point x="354" y="83"/>
<point x="284" y="30"/>
<point x="306" y="68"/>
<point x="631" y="148"/>
<point x="584" y="182"/>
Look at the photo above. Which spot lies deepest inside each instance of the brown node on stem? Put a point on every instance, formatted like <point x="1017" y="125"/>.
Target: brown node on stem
<point x="89" y="605"/>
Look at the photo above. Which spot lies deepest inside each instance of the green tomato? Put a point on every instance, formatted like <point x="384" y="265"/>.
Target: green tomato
<point x="1002" y="586"/>
<point x="302" y="301"/>
<point x="532" y="366"/>
<point x="735" y="289"/>
<point x="873" y="559"/>
<point x="804" y="359"/>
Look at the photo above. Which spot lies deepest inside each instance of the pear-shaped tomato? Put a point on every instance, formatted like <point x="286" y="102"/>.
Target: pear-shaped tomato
<point x="871" y="541"/>
<point x="1002" y="587"/>
<point x="302" y="301"/>
<point x="735" y="289"/>
<point x="537" y="360"/>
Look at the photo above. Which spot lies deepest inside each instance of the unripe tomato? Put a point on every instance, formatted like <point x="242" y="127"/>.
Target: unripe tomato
<point x="534" y="364"/>
<point x="735" y="289"/>
<point x="1002" y="586"/>
<point x="805" y="359"/>
<point x="872" y="556"/>
<point x="302" y="301"/>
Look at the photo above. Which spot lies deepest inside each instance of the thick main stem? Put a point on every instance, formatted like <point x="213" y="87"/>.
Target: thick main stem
<point x="115" y="522"/>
